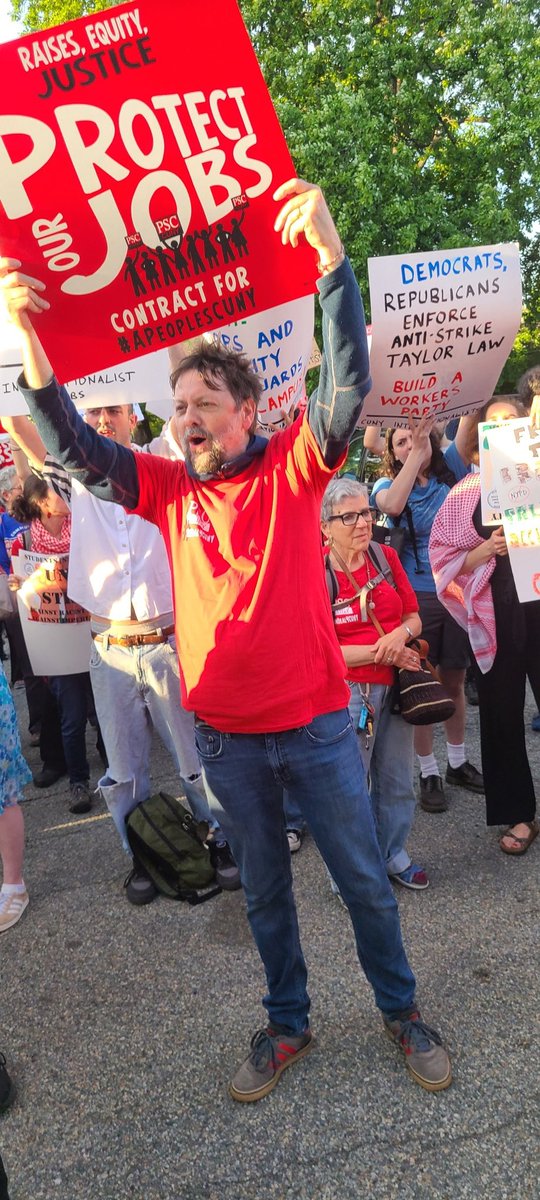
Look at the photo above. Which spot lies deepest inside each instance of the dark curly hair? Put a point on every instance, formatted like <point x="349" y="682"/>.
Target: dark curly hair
<point x="26" y="507"/>
<point x="529" y="386"/>
<point x="437" y="467"/>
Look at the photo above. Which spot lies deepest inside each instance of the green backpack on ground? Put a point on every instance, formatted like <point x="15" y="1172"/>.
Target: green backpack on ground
<point x="169" y="843"/>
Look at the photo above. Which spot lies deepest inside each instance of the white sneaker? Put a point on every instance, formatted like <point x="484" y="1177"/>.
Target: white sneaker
<point x="294" y="838"/>
<point x="12" y="907"/>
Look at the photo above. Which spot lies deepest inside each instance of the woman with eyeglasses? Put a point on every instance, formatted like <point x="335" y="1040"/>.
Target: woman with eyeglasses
<point x="417" y="477"/>
<point x="364" y="593"/>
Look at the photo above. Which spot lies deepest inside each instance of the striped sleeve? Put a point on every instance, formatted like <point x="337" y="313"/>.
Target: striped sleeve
<point x="57" y="478"/>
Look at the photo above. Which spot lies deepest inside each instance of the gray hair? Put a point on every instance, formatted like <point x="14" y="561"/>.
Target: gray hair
<point x="339" y="489"/>
<point x="8" y="477"/>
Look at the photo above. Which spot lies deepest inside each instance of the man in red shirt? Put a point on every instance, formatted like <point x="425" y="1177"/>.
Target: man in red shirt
<point x="260" y="663"/>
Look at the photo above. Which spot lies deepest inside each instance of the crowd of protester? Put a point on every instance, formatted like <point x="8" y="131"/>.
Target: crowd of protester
<point x="184" y="554"/>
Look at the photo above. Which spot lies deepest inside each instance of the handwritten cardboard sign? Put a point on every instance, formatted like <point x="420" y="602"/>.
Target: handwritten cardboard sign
<point x="491" y="509"/>
<point x="443" y="326"/>
<point x="279" y="344"/>
<point x="515" y="453"/>
<point x="56" y="629"/>
<point x="138" y="157"/>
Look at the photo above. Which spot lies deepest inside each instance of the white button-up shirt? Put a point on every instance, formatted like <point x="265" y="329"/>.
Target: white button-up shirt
<point x="118" y="567"/>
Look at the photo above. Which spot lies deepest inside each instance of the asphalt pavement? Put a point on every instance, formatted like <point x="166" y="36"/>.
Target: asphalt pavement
<point x="123" y="1026"/>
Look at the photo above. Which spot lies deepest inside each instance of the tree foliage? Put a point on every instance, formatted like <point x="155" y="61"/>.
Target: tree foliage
<point x="420" y="120"/>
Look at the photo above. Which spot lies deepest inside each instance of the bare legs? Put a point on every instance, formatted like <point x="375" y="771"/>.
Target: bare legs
<point x="12" y="844"/>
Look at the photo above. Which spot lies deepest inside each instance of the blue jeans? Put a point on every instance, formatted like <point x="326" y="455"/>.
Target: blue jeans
<point x="320" y="766"/>
<point x="70" y="692"/>
<point x="294" y="819"/>
<point x="389" y="761"/>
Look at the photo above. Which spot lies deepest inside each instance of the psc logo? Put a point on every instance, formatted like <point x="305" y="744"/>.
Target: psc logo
<point x="536" y="583"/>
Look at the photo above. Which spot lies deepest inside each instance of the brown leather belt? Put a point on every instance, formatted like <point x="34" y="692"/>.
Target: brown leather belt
<point x="135" y="639"/>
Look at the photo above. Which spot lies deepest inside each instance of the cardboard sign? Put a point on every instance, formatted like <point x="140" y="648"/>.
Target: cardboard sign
<point x="443" y="326"/>
<point x="135" y="382"/>
<point x="515" y="452"/>
<point x="56" y="629"/>
<point x="138" y="157"/>
<point x="279" y="343"/>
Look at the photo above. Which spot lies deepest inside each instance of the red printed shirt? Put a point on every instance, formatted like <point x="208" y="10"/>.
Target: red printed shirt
<point x="254" y="630"/>
<point x="390" y="605"/>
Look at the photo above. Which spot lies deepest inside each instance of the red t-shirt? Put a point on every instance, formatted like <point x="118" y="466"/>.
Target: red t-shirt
<point x="255" y="637"/>
<point x="389" y="606"/>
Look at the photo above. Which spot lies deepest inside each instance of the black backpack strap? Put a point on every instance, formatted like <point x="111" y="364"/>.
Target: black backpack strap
<point x="412" y="534"/>
<point x="380" y="562"/>
<point x="331" y="580"/>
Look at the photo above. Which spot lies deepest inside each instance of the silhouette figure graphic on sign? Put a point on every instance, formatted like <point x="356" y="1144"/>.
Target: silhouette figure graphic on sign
<point x="180" y="262"/>
<point x="237" y="237"/>
<point x="223" y="238"/>
<point x="164" y="262"/>
<point x="209" y="250"/>
<point x="132" y="274"/>
<point x="150" y="270"/>
<point x="193" y="253"/>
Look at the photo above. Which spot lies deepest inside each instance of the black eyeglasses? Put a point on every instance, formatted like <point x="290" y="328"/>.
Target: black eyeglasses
<point x="352" y="518"/>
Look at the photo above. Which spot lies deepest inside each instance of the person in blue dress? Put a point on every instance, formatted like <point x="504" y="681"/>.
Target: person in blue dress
<point x="416" y="478"/>
<point x="14" y="774"/>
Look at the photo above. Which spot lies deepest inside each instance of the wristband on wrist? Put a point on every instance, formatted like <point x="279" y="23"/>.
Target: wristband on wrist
<point x="323" y="268"/>
<point x="409" y="631"/>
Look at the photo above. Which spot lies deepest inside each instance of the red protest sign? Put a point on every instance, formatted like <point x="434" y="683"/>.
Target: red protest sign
<point x="137" y="166"/>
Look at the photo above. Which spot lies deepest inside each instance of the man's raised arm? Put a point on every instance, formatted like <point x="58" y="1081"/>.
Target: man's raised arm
<point x="335" y="407"/>
<point x="100" y="464"/>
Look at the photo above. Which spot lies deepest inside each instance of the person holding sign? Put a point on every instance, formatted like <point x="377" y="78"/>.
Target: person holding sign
<point x="50" y="533"/>
<point x="475" y="583"/>
<point x="267" y="717"/>
<point x="417" y="477"/>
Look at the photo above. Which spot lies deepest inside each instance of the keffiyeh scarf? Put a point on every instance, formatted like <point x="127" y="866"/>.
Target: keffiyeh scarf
<point x="467" y="596"/>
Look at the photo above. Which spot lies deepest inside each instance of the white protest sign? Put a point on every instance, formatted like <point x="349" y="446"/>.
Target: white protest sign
<point x="444" y="323"/>
<point x="491" y="509"/>
<point x="56" y="629"/>
<point x="279" y="344"/>
<point x="144" y="380"/>
<point x="515" y="452"/>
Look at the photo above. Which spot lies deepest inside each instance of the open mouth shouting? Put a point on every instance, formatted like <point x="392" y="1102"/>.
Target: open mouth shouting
<point x="195" y="441"/>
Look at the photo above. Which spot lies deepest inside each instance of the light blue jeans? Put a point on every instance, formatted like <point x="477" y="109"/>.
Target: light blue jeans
<point x="320" y="766"/>
<point x="137" y="688"/>
<point x="388" y="762"/>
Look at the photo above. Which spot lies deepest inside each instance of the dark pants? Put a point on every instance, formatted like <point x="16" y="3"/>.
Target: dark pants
<point x="507" y="775"/>
<point x="3" y="1182"/>
<point x="43" y="711"/>
<point x="37" y="693"/>
<point x="71" y="695"/>
<point x="51" y="747"/>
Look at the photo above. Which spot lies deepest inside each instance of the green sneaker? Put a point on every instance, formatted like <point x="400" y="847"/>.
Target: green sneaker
<point x="270" y="1053"/>
<point x="425" y="1057"/>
